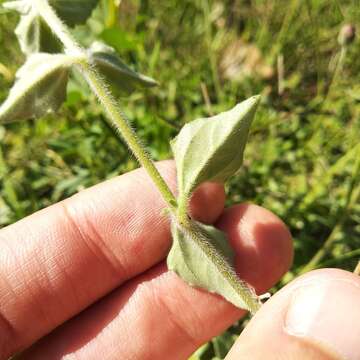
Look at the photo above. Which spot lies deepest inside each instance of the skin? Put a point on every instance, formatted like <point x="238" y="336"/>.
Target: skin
<point x="86" y="279"/>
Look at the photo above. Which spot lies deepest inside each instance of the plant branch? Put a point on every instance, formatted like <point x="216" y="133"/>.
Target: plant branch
<point x="120" y="123"/>
<point x="117" y="118"/>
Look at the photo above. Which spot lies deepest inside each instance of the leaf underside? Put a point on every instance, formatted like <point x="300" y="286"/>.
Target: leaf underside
<point x="39" y="89"/>
<point x="202" y="256"/>
<point x="119" y="75"/>
<point x="33" y="33"/>
<point x="35" y="36"/>
<point x="74" y="12"/>
<point x="211" y="149"/>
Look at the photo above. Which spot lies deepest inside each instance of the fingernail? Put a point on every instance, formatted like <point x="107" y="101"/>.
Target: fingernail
<point x="327" y="314"/>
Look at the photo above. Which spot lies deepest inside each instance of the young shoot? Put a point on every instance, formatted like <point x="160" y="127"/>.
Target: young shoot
<point x="207" y="149"/>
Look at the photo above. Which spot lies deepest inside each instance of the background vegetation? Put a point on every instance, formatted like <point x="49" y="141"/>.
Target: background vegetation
<point x="303" y="157"/>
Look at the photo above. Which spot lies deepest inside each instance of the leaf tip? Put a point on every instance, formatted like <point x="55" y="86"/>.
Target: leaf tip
<point x="150" y="82"/>
<point x="251" y="104"/>
<point x="246" y="110"/>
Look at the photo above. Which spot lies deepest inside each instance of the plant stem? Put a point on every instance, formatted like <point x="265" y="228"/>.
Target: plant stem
<point x="117" y="118"/>
<point x="182" y="210"/>
<point x="337" y="71"/>
<point x="111" y="13"/>
<point x="120" y="123"/>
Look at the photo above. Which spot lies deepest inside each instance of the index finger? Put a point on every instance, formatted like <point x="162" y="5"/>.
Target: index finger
<point x="58" y="261"/>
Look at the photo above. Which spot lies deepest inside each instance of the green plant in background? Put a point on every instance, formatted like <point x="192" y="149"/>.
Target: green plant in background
<point x="208" y="149"/>
<point x="301" y="162"/>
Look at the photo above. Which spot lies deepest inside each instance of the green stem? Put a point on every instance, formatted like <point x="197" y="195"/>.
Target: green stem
<point x="337" y="71"/>
<point x="182" y="209"/>
<point x="117" y="118"/>
<point x="120" y="123"/>
<point x="111" y="13"/>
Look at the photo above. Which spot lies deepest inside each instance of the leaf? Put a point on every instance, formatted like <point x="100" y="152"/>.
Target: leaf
<point x="34" y="34"/>
<point x="22" y="6"/>
<point x="40" y="87"/>
<point x="202" y="256"/>
<point x="74" y="12"/>
<point x="211" y="149"/>
<point x="116" y="71"/>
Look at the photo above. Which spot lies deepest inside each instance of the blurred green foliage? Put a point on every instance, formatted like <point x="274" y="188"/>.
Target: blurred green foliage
<point x="302" y="160"/>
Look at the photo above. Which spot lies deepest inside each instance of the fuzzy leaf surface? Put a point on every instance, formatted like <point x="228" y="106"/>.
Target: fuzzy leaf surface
<point x="35" y="36"/>
<point x="202" y="256"/>
<point x="39" y="89"/>
<point x="33" y="33"/>
<point x="117" y="73"/>
<point x="211" y="149"/>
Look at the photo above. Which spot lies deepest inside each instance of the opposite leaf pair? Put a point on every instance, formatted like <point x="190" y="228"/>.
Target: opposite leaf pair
<point x="210" y="150"/>
<point x="40" y="86"/>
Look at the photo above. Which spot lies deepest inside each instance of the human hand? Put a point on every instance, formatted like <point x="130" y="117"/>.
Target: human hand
<point x="94" y="263"/>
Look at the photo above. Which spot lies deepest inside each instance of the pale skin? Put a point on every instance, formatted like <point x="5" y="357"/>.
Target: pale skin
<point x="86" y="279"/>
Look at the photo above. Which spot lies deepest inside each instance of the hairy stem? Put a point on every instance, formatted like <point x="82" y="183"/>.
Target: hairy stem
<point x="120" y="123"/>
<point x="117" y="118"/>
<point x="182" y="209"/>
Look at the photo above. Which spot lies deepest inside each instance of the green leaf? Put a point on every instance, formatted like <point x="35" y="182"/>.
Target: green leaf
<point x="35" y="36"/>
<point x="32" y="32"/>
<point x="121" y="76"/>
<point x="22" y="6"/>
<point x="74" y="12"/>
<point x="211" y="149"/>
<point x="202" y="256"/>
<point x="40" y="87"/>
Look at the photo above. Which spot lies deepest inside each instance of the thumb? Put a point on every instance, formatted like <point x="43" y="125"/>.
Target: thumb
<point x="317" y="317"/>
